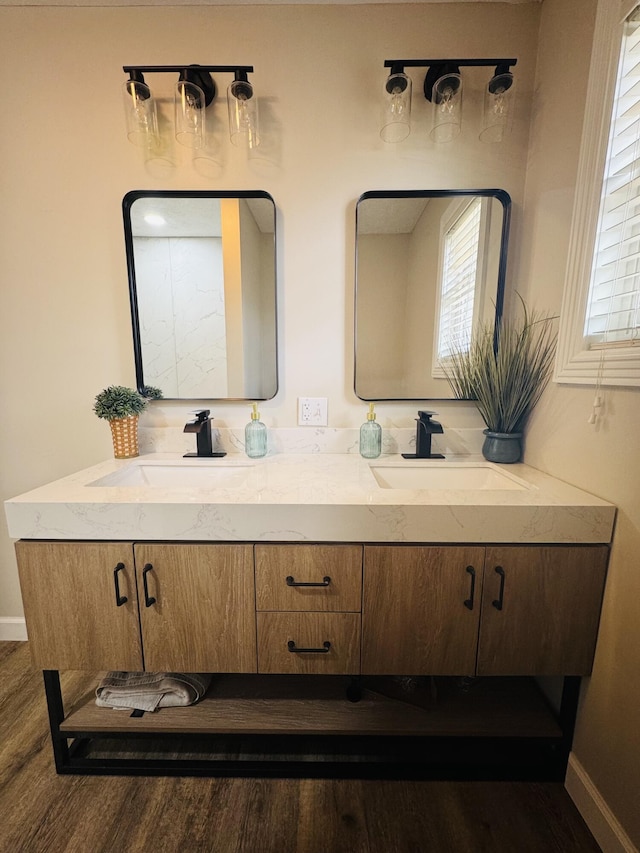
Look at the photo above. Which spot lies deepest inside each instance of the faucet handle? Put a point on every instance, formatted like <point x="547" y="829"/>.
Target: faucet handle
<point x="424" y="415"/>
<point x="201" y="414"/>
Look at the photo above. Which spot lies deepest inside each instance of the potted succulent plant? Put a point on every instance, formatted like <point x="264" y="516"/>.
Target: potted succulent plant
<point x="505" y="372"/>
<point x="121" y="407"/>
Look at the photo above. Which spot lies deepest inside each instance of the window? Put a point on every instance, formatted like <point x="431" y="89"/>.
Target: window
<point x="458" y="279"/>
<point x="600" y="320"/>
<point x="613" y="307"/>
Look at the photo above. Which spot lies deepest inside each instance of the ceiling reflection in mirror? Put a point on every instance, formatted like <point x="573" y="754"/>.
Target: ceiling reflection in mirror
<point x="202" y="282"/>
<point x="430" y="267"/>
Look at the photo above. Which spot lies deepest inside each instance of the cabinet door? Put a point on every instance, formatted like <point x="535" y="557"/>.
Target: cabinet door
<point x="80" y="604"/>
<point x="421" y="609"/>
<point x="197" y="607"/>
<point x="540" y="609"/>
<point x="309" y="577"/>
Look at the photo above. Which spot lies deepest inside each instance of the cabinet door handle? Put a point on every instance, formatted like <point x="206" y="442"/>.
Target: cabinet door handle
<point x="148" y="599"/>
<point x="499" y="601"/>
<point x="323" y="651"/>
<point x="469" y="601"/>
<point x="120" y="599"/>
<point x="326" y="580"/>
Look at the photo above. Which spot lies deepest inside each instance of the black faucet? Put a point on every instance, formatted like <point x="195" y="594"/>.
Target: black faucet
<point x="425" y="429"/>
<point x="202" y="428"/>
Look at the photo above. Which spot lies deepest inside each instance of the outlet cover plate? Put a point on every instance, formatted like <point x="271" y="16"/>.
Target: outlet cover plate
<point x="312" y="411"/>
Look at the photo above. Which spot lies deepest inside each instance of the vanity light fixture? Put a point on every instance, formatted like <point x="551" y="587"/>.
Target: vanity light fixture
<point x="443" y="88"/>
<point x="194" y="92"/>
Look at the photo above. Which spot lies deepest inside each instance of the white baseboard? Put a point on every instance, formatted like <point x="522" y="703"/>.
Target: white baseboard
<point x="13" y="628"/>
<point x="603" y="824"/>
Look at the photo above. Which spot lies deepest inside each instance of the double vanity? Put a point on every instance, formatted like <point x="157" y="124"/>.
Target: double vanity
<point x="432" y="596"/>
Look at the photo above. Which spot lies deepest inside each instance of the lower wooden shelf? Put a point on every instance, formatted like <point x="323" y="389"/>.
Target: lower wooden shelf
<point x="305" y="726"/>
<point x="308" y="705"/>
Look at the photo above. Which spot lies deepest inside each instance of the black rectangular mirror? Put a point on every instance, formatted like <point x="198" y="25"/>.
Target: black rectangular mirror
<point x="430" y="266"/>
<point x="202" y="284"/>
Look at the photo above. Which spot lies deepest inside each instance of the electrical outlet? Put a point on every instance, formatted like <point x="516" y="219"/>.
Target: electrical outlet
<point x="312" y="411"/>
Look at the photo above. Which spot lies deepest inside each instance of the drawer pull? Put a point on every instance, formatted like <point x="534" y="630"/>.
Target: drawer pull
<point x="499" y="601"/>
<point x="120" y="599"/>
<point x="323" y="651"/>
<point x="469" y="601"/>
<point x="148" y="599"/>
<point x="326" y="580"/>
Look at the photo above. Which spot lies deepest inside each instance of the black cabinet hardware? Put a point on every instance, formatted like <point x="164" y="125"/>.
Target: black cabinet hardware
<point x="326" y="580"/>
<point x="120" y="599"/>
<point x="499" y="601"/>
<point x="323" y="651"/>
<point x="469" y="601"/>
<point x="148" y="599"/>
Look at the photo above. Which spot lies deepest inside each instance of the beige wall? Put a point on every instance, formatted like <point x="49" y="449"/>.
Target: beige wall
<point x="603" y="459"/>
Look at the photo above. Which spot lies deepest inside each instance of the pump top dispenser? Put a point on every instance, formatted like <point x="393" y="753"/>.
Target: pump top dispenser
<point x="255" y="435"/>
<point x="370" y="436"/>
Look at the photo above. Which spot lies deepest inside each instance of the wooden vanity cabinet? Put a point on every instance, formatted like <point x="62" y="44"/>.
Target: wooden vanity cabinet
<point x="421" y="609"/>
<point x="383" y="610"/>
<point x="81" y="605"/>
<point x="541" y="609"/>
<point x="197" y="607"/>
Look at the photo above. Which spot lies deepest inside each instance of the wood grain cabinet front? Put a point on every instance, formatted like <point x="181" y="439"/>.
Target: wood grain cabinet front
<point x="541" y="609"/>
<point x="421" y="609"/>
<point x="309" y="577"/>
<point x="197" y="607"/>
<point x="309" y="600"/>
<point x="501" y="610"/>
<point x="80" y="604"/>
<point x="309" y="643"/>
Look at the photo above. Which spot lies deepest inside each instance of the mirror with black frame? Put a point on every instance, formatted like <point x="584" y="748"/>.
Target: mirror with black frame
<point x="430" y="267"/>
<point x="202" y="285"/>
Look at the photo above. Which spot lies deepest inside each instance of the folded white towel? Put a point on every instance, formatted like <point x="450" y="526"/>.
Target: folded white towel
<point x="148" y="691"/>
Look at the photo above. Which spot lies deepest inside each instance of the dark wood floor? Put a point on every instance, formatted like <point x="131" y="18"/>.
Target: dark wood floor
<point x="40" y="811"/>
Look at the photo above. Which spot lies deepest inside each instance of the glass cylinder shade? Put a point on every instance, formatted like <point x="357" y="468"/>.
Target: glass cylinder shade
<point x="244" y="129"/>
<point x="498" y="100"/>
<point x="190" y="115"/>
<point x="396" y="112"/>
<point x="140" y="113"/>
<point x="446" y="98"/>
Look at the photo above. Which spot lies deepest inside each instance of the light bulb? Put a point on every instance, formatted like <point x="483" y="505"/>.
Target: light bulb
<point x="243" y="114"/>
<point x="140" y="113"/>
<point x="447" y="107"/>
<point x="498" y="98"/>
<point x="396" y="112"/>
<point x="190" y="114"/>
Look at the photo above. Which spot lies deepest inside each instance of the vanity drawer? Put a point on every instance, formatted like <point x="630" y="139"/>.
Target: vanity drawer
<point x="276" y="631"/>
<point x="309" y="577"/>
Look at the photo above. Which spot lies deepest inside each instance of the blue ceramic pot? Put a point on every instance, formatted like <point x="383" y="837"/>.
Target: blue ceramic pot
<point x="502" y="446"/>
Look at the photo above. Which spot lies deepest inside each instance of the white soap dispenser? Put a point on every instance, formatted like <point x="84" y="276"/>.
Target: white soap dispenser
<point x="370" y="436"/>
<point x="255" y="435"/>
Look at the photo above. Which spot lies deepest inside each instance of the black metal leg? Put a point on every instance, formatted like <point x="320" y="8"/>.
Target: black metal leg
<point x="55" y="707"/>
<point x="569" y="709"/>
<point x="354" y="690"/>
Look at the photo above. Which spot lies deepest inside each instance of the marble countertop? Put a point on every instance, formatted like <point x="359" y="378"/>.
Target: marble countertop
<point x="316" y="497"/>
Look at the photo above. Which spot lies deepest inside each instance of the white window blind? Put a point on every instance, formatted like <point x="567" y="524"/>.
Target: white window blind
<point x="458" y="285"/>
<point x="613" y="309"/>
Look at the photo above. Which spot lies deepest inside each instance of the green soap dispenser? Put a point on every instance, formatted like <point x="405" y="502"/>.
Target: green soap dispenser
<point x="370" y="436"/>
<point x="255" y="435"/>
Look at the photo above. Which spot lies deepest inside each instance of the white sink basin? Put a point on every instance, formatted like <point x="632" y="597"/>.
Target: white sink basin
<point x="199" y="475"/>
<point x="426" y="477"/>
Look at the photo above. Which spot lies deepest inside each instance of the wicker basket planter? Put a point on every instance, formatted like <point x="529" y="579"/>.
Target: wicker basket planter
<point x="124" y="432"/>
